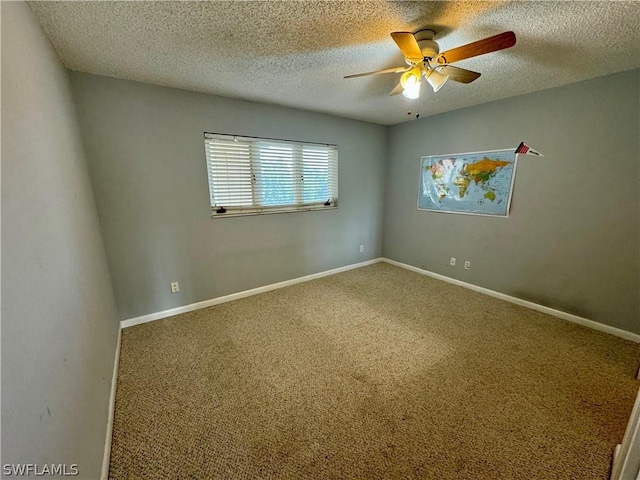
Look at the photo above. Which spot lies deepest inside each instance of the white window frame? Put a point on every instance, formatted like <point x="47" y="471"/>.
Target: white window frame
<point x="238" y="184"/>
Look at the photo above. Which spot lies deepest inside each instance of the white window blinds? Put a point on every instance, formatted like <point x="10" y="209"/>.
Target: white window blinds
<point x="255" y="175"/>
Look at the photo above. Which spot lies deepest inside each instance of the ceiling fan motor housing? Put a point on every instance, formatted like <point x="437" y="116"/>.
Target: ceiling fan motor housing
<point x="428" y="46"/>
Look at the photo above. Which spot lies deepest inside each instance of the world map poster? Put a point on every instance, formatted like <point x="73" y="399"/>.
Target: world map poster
<point x="477" y="183"/>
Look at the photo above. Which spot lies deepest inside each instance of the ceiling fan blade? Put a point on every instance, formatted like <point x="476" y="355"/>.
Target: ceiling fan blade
<point x="487" y="45"/>
<point x="378" y="72"/>
<point x="397" y="90"/>
<point x="457" y="74"/>
<point x="408" y="44"/>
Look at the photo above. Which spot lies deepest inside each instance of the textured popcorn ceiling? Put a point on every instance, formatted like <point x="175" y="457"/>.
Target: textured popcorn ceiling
<point x="295" y="53"/>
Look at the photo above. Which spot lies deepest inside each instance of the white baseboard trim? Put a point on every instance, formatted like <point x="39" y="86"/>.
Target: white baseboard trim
<point x="235" y="296"/>
<point x="112" y="406"/>
<point x="634" y="337"/>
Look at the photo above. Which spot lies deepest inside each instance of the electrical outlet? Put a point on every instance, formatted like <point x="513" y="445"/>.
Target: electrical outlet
<point x="175" y="287"/>
<point x="423" y="266"/>
<point x="452" y="262"/>
<point x="361" y="248"/>
<point x="467" y="265"/>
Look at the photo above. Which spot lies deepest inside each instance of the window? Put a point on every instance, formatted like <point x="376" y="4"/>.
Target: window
<point x="249" y="176"/>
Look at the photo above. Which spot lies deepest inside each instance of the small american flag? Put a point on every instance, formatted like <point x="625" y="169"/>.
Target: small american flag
<point x="525" y="149"/>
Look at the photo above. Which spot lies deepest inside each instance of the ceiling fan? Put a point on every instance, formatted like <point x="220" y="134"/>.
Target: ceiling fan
<point x="422" y="55"/>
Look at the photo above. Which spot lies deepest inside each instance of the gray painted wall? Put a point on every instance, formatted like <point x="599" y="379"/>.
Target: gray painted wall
<point x="59" y="321"/>
<point x="145" y="150"/>
<point x="572" y="241"/>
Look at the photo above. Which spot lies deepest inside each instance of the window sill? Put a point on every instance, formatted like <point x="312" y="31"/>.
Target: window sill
<point x="231" y="213"/>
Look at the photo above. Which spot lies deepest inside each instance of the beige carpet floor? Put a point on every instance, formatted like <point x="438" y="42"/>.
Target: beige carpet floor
<point x="374" y="373"/>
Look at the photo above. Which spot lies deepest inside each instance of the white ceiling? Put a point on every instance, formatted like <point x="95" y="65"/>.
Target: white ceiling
<point x="295" y="53"/>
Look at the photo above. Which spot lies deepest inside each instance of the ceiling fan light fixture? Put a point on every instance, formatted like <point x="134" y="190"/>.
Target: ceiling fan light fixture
<point x="436" y="79"/>
<point x="410" y="82"/>
<point x="412" y="92"/>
